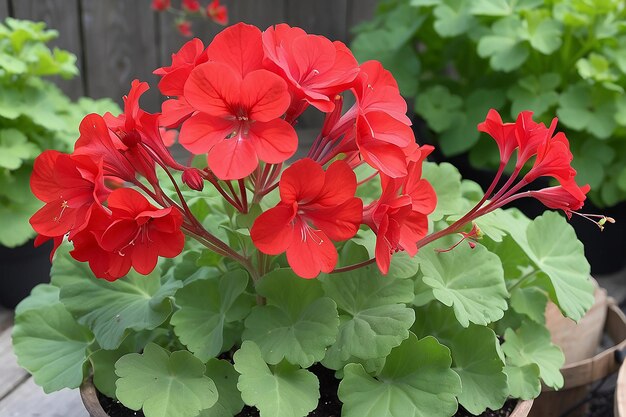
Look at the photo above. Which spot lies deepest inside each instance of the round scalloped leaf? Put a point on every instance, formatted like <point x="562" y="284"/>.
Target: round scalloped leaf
<point x="531" y="344"/>
<point x="476" y="357"/>
<point x="283" y="391"/>
<point x="51" y="345"/>
<point x="551" y="244"/>
<point x="523" y="381"/>
<point x="205" y="307"/>
<point x="469" y="280"/>
<point x="111" y="309"/>
<point x="415" y="381"/>
<point x="297" y="324"/>
<point x="373" y="314"/>
<point x="229" y="401"/>
<point x="163" y="384"/>
<point x="504" y="46"/>
<point x="446" y="181"/>
<point x="531" y="301"/>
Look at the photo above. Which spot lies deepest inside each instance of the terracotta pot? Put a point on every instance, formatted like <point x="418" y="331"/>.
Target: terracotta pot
<point x="620" y="393"/>
<point x="583" y="365"/>
<point x="90" y="400"/>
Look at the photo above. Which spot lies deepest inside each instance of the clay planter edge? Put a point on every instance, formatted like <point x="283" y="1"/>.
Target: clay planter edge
<point x="89" y="396"/>
<point x="583" y="364"/>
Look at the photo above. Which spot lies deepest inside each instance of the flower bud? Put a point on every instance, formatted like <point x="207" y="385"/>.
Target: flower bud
<point x="193" y="179"/>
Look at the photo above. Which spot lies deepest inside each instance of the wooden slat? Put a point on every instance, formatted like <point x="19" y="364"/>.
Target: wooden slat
<point x="359" y="11"/>
<point x="29" y="400"/>
<point x="63" y="16"/>
<point x="259" y="13"/>
<point x="11" y="375"/>
<point x="322" y="17"/>
<point x="4" y="9"/>
<point x="120" y="45"/>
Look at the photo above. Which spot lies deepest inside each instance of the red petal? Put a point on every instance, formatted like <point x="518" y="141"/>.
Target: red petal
<point x="275" y="141"/>
<point x="390" y="130"/>
<point x="144" y="257"/>
<point x="339" y="185"/>
<point x="302" y="182"/>
<point x="233" y="159"/>
<point x="238" y="46"/>
<point x="128" y="203"/>
<point x="272" y="231"/>
<point x="383" y="251"/>
<point x="264" y="95"/>
<point x="311" y="253"/>
<point x="340" y="222"/>
<point x="174" y="111"/>
<point x="42" y="181"/>
<point x="384" y="156"/>
<point x="201" y="132"/>
<point x="213" y="88"/>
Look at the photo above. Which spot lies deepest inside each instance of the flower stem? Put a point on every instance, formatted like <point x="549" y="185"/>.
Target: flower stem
<point x="353" y="267"/>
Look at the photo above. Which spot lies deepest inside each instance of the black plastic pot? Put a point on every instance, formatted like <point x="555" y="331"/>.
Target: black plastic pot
<point x="21" y="269"/>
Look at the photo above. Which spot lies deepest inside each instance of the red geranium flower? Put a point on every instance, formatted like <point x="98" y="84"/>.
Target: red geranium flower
<point x="217" y="12"/>
<point x="383" y="135"/>
<point x="184" y="28"/>
<point x="161" y="5"/>
<point x="191" y="5"/>
<point x="239" y="109"/>
<point x="70" y="185"/>
<point x="316" y="208"/>
<point x="315" y="68"/>
<point x="135" y="234"/>
<point x="530" y="136"/>
<point x="400" y="217"/>
<point x="568" y="197"/>
<point x="502" y="133"/>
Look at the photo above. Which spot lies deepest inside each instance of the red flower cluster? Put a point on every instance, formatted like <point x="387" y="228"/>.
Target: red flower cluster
<point x="128" y="230"/>
<point x="553" y="158"/>
<point x="236" y="103"/>
<point x="215" y="11"/>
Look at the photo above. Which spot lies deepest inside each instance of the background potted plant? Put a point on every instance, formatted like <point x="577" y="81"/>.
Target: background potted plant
<point x="422" y="292"/>
<point x="564" y="57"/>
<point x="34" y="116"/>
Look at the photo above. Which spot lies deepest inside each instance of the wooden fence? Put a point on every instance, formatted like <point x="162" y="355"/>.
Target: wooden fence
<point x="117" y="41"/>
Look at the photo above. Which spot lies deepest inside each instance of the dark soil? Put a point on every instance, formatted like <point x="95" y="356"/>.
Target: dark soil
<point x="503" y="412"/>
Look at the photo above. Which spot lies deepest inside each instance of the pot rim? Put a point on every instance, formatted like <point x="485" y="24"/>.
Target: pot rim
<point x="604" y="363"/>
<point x="620" y="393"/>
<point x="88" y="395"/>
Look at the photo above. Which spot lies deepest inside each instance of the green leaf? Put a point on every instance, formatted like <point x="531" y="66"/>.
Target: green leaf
<point x="15" y="149"/>
<point x="446" y="181"/>
<point x="531" y="344"/>
<point x="453" y="18"/>
<point x="530" y="301"/>
<point x="50" y="344"/>
<point x="551" y="244"/>
<point x="438" y="107"/>
<point x="534" y="93"/>
<point x="544" y="34"/>
<point x="476" y="357"/>
<point x="163" y="384"/>
<point x="373" y="314"/>
<point x="415" y="381"/>
<point x="469" y="280"/>
<point x="501" y="7"/>
<point x="297" y="324"/>
<point x="112" y="309"/>
<point x="103" y="363"/>
<point x="584" y="108"/>
<point x="595" y="67"/>
<point x="523" y="381"/>
<point x="504" y="46"/>
<point x="41" y="296"/>
<point x="462" y="134"/>
<point x="284" y="391"/>
<point x="403" y="266"/>
<point x="206" y="307"/>
<point x="229" y="402"/>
